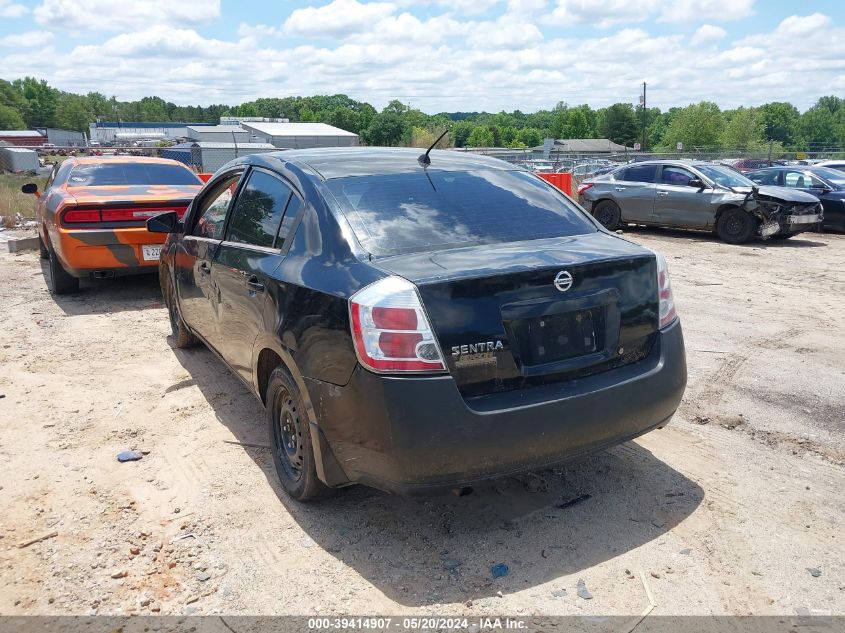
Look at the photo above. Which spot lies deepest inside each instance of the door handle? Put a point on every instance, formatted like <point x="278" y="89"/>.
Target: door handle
<point x="662" y="193"/>
<point x="253" y="285"/>
<point x="619" y="188"/>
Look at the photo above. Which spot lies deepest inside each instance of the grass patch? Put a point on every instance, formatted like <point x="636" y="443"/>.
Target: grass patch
<point x="13" y="202"/>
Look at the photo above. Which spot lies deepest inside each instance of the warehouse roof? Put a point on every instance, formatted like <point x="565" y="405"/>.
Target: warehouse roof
<point x="147" y="124"/>
<point x="228" y="129"/>
<point x="296" y="129"/>
<point x="21" y="133"/>
<point x="218" y="145"/>
<point x="585" y="145"/>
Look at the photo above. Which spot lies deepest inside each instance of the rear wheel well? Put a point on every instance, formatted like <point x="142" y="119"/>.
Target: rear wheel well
<point x="268" y="360"/>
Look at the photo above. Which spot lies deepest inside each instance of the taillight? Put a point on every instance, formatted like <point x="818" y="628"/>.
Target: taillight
<point x="128" y="214"/>
<point x="73" y="216"/>
<point x="664" y="293"/>
<point x="584" y="186"/>
<point x="390" y="329"/>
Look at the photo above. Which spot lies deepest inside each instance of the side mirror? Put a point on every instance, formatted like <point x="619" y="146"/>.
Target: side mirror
<point x="697" y="183"/>
<point x="164" y="223"/>
<point x="30" y="188"/>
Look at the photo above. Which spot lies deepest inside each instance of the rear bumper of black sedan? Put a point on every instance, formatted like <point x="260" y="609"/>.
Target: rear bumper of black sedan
<point x="410" y="435"/>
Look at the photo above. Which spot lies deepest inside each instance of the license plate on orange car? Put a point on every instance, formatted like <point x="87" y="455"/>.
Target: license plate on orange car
<point x="151" y="252"/>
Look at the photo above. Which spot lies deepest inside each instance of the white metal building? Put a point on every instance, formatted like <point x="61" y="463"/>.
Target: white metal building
<point x="65" y="138"/>
<point x="18" y="159"/>
<point x="124" y="132"/>
<point x="218" y="133"/>
<point x="300" y="135"/>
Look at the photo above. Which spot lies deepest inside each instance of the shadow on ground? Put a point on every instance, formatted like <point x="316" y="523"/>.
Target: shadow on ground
<point x="802" y="240"/>
<point x="101" y="296"/>
<point x="428" y="550"/>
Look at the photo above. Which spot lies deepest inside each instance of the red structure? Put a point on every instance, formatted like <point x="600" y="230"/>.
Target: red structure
<point x="561" y="181"/>
<point x="23" y="138"/>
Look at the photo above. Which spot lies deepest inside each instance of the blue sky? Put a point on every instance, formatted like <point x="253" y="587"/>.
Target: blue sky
<point x="435" y="54"/>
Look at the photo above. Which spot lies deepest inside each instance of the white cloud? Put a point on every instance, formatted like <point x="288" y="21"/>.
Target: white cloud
<point x="504" y="33"/>
<point x="526" y="7"/>
<point x="257" y="30"/>
<point x="442" y="61"/>
<point x="104" y="15"/>
<point x="606" y="13"/>
<point x="707" y="33"/>
<point x="460" y="7"/>
<point x="796" y="26"/>
<point x="9" y="9"/>
<point x="700" y="10"/>
<point x="336" y="19"/>
<point x="28" y="39"/>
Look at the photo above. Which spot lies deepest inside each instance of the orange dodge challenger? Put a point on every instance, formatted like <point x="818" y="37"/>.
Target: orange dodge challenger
<point x="93" y="211"/>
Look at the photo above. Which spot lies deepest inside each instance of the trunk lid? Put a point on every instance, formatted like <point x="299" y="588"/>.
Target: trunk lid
<point x="134" y="194"/>
<point x="503" y="323"/>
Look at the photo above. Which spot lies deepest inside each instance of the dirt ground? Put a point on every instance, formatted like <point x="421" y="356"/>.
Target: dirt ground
<point x="737" y="507"/>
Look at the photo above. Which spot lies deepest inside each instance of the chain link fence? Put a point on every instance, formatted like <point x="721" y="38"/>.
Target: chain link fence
<point x="35" y="164"/>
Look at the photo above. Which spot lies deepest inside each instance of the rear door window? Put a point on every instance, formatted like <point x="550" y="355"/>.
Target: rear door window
<point x="257" y="214"/>
<point x="640" y="173"/>
<point x="432" y="210"/>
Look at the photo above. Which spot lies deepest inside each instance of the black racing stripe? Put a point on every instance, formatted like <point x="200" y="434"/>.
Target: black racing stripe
<point x="124" y="253"/>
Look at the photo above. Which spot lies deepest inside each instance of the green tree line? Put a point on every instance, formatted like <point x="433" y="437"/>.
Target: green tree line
<point x="30" y="103"/>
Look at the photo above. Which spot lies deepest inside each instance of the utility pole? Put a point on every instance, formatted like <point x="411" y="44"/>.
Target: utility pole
<point x="643" y="101"/>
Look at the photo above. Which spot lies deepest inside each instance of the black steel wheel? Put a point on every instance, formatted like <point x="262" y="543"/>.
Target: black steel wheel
<point x="608" y="214"/>
<point x="290" y="439"/>
<point x="735" y="226"/>
<point x="287" y="438"/>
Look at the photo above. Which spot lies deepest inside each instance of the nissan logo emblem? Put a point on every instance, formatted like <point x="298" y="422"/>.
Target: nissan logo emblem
<point x="563" y="281"/>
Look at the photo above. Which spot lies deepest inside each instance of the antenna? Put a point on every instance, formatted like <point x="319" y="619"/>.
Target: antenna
<point x="424" y="159"/>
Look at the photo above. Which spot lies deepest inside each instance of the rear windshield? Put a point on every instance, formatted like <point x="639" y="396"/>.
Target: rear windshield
<point x="121" y="173"/>
<point x="422" y="211"/>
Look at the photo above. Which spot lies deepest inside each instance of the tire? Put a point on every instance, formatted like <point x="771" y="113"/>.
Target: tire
<point x="61" y="281"/>
<point x="182" y="336"/>
<point x="43" y="251"/>
<point x="290" y="439"/>
<point x="608" y="214"/>
<point x="735" y="226"/>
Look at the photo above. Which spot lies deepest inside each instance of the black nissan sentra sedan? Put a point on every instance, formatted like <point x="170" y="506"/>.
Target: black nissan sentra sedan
<point x="415" y="325"/>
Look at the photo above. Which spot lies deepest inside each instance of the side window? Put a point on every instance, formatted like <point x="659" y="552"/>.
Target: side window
<point x="641" y="173"/>
<point x="676" y="176"/>
<point x="257" y="214"/>
<point x="212" y="215"/>
<point x="52" y="177"/>
<point x="765" y="177"/>
<point x="797" y="179"/>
